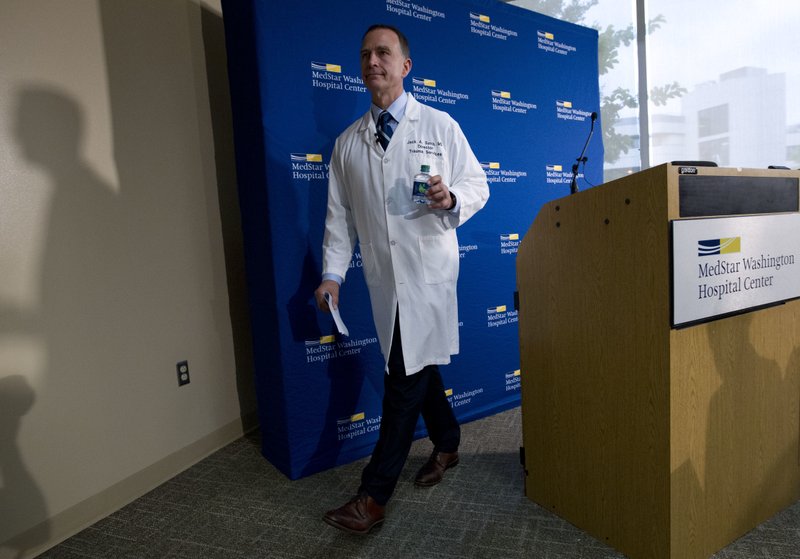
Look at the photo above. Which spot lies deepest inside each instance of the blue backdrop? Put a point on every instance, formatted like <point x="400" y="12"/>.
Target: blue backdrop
<point x="522" y="86"/>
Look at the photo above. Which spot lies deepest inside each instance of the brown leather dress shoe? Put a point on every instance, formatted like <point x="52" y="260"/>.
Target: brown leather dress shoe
<point x="433" y="470"/>
<point x="358" y="516"/>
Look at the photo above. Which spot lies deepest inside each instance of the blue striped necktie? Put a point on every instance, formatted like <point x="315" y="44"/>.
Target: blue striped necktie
<point x="384" y="130"/>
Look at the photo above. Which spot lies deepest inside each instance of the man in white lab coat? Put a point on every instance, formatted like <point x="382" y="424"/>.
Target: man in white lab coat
<point x="410" y="260"/>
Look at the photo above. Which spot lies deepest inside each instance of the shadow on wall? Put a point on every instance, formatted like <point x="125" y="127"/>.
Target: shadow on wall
<point x="75" y="287"/>
<point x="20" y="497"/>
<point x="109" y="251"/>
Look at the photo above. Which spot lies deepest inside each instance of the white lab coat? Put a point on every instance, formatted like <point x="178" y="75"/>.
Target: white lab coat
<point x="409" y="252"/>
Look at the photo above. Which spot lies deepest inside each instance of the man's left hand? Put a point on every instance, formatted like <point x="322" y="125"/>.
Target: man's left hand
<point x="439" y="195"/>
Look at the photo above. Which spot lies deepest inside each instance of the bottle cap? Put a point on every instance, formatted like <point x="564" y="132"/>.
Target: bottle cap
<point x="425" y="168"/>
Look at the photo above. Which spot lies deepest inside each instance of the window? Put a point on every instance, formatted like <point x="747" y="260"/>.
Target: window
<point x="736" y="67"/>
<point x="720" y="76"/>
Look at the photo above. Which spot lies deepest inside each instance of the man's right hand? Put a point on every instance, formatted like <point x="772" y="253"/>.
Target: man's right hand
<point x="331" y="287"/>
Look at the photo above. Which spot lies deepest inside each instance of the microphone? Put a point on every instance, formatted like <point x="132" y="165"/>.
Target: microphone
<point x="573" y="187"/>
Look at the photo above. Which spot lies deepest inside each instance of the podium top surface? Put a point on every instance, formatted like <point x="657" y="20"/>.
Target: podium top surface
<point x="736" y="194"/>
<point x="698" y="191"/>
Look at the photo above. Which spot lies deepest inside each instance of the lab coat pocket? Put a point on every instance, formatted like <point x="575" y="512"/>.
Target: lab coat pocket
<point x="439" y="255"/>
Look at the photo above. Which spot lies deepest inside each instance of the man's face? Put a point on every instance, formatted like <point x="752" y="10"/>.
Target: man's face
<point x="383" y="64"/>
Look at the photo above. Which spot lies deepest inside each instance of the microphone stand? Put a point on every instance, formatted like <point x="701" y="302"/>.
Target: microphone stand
<point x="573" y="187"/>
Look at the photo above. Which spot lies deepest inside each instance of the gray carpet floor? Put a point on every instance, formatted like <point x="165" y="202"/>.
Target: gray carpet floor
<point x="234" y="504"/>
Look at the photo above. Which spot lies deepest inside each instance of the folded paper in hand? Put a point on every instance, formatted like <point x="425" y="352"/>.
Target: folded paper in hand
<point x="337" y="318"/>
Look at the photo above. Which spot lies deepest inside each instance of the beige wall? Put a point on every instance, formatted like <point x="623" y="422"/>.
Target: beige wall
<point x="120" y="255"/>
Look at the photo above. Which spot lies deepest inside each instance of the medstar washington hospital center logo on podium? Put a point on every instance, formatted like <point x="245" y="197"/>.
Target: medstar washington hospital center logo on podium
<point x="711" y="247"/>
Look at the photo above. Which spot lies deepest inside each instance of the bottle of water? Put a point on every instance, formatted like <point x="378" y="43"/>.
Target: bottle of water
<point x="420" y="186"/>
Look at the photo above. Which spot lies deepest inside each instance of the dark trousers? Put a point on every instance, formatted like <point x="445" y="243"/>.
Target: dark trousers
<point x="404" y="398"/>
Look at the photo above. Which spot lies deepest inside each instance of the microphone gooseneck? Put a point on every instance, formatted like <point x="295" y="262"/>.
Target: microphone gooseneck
<point x="573" y="187"/>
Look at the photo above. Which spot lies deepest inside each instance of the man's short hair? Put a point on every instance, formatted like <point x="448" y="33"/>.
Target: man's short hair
<point x="406" y="50"/>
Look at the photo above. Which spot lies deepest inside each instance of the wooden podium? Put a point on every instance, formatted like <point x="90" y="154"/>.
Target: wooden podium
<point x="661" y="442"/>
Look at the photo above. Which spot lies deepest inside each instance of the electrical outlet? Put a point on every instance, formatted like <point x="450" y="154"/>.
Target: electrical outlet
<point x="183" y="372"/>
